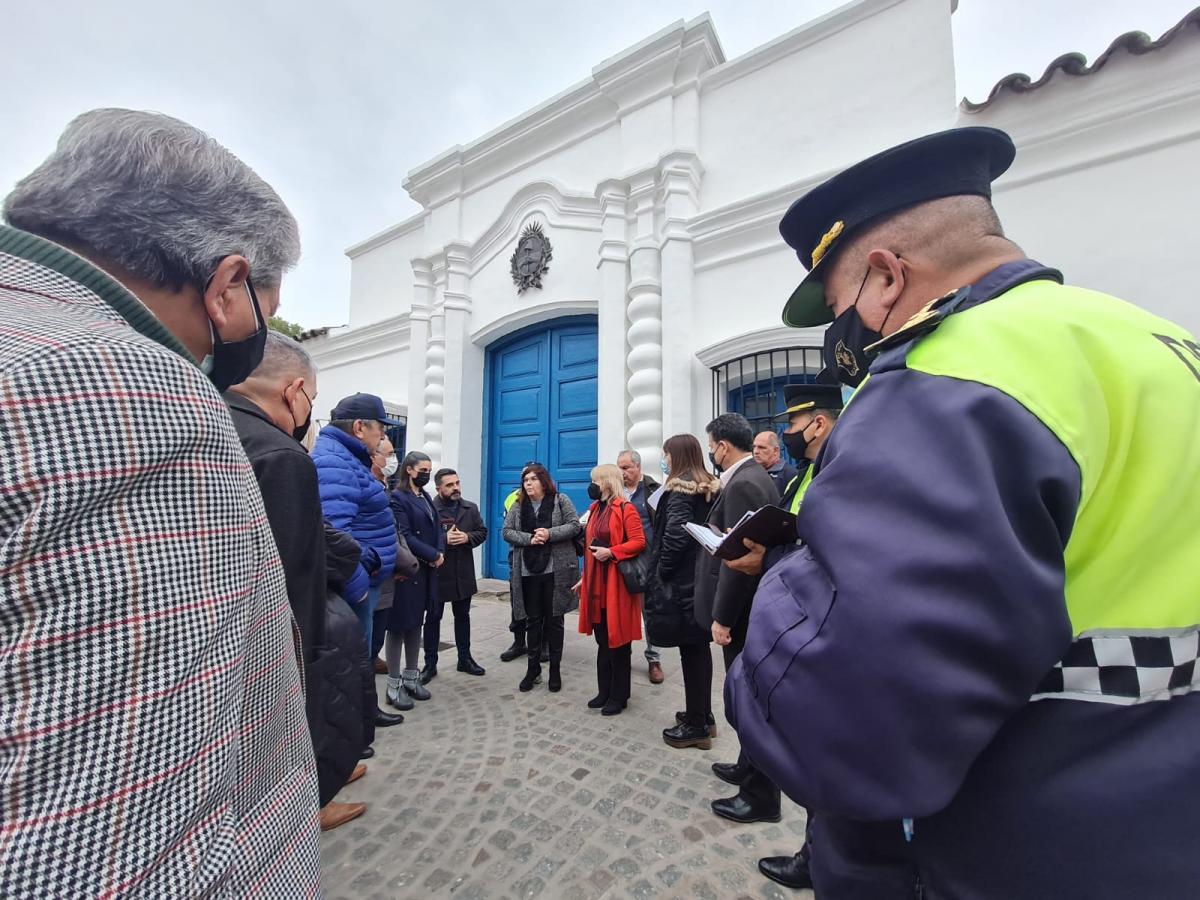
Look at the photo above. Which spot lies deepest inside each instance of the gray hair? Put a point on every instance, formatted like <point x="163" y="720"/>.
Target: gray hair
<point x="772" y="439"/>
<point x="633" y="455"/>
<point x="157" y="197"/>
<point x="284" y="358"/>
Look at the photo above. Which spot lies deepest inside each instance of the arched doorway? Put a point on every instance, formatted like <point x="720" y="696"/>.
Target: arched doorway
<point x="541" y="405"/>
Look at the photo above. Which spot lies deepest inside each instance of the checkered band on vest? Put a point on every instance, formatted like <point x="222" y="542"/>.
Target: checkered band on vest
<point x="1126" y="669"/>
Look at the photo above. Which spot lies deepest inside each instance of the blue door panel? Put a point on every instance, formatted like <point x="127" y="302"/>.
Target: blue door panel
<point x="541" y="398"/>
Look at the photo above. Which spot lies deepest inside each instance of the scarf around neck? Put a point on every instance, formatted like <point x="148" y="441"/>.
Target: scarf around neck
<point x="537" y="555"/>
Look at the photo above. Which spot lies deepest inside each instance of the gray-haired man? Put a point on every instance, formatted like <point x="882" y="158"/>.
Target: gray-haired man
<point x="639" y="489"/>
<point x="147" y="623"/>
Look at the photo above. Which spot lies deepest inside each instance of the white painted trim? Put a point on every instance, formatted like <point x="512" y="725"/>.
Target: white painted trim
<point x="713" y="225"/>
<point x="427" y="182"/>
<point x="761" y="341"/>
<point x="806" y="35"/>
<point x="532" y="315"/>
<point x="409" y="225"/>
<point x="391" y="335"/>
<point x="562" y="209"/>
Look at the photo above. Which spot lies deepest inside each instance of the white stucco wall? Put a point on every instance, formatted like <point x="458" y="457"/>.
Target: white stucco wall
<point x="1104" y="184"/>
<point x="661" y="180"/>
<point x="381" y="274"/>
<point x="856" y="81"/>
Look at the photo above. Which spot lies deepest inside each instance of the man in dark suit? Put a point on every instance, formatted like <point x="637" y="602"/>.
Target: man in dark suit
<point x="464" y="528"/>
<point x="723" y="596"/>
<point x="272" y="412"/>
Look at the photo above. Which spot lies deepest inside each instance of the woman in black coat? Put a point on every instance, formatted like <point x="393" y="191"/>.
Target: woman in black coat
<point x="670" y="622"/>
<point x="417" y="523"/>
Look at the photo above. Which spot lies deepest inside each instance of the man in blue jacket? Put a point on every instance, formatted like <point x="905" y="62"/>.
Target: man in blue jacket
<point x="353" y="500"/>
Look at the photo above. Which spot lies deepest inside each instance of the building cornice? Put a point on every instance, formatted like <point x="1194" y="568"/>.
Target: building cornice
<point x="619" y="84"/>
<point x="365" y="342"/>
<point x="408" y="226"/>
<point x="819" y="29"/>
<point x="531" y="315"/>
<point x="761" y="341"/>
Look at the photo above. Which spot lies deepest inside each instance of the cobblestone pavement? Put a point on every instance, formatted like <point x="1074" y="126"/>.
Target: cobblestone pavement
<point x="485" y="792"/>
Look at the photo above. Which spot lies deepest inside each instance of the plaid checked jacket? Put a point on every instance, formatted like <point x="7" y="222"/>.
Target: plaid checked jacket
<point x="152" y="732"/>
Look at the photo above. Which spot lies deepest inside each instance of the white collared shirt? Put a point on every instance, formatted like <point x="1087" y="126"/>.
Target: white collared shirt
<point x="728" y="473"/>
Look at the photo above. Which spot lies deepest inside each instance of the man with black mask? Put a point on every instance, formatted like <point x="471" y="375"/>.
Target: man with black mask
<point x="272" y="411"/>
<point x="141" y="263"/>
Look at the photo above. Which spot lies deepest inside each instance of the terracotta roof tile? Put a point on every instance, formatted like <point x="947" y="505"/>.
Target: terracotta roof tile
<point x="1134" y="42"/>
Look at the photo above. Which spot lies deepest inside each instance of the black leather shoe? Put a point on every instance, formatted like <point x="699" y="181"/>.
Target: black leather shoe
<point x="684" y="735"/>
<point x="733" y="773"/>
<point x="681" y="717"/>
<point x="428" y="674"/>
<point x="367" y="754"/>
<point x="515" y="651"/>
<point x="469" y="666"/>
<point x="384" y="719"/>
<point x="612" y="708"/>
<point x="597" y="702"/>
<point x="790" y="871"/>
<point x="739" y="809"/>
<point x="555" y="682"/>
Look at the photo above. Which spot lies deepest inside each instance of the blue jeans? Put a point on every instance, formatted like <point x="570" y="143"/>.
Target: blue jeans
<point x="366" y="614"/>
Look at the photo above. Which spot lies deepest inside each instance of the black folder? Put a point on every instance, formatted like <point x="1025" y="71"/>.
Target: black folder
<point x="770" y="526"/>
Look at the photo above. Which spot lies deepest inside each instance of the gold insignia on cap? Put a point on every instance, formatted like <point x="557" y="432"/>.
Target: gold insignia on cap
<point x="826" y="239"/>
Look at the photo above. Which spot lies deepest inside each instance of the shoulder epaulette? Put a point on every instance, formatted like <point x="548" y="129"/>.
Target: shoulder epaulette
<point x="925" y="320"/>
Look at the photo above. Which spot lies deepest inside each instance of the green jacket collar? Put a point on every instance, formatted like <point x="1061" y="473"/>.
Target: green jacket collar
<point x="46" y="253"/>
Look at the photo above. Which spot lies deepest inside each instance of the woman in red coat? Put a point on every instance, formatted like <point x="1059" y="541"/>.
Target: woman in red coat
<point x="606" y="608"/>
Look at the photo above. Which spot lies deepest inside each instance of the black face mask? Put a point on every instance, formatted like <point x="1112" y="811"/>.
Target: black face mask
<point x="846" y="341"/>
<point x="231" y="362"/>
<point x="594" y="491"/>
<point x="797" y="444"/>
<point x="712" y="458"/>
<point x="421" y="479"/>
<point x="302" y="429"/>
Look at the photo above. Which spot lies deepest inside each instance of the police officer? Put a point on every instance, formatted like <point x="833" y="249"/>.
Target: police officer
<point x="812" y="411"/>
<point x="981" y="670"/>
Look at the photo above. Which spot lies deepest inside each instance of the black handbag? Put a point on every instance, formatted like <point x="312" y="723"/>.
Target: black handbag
<point x="637" y="573"/>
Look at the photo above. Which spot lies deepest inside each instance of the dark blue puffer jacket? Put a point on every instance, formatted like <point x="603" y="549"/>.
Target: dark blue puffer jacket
<point x="353" y="500"/>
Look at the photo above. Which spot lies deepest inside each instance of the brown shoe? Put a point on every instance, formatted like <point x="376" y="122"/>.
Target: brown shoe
<point x="380" y="666"/>
<point x="334" y="814"/>
<point x="359" y="771"/>
<point x="656" y="673"/>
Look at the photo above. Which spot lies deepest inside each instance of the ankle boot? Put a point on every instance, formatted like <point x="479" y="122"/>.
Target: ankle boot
<point x="397" y="696"/>
<point x="515" y="651"/>
<point x="413" y="686"/>
<point x="555" y="684"/>
<point x="533" y="675"/>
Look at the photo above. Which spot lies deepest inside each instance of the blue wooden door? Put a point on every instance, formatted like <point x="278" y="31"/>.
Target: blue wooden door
<point x="541" y="407"/>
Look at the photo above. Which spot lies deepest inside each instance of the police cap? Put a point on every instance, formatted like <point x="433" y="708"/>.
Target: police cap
<point x="802" y="397"/>
<point x="948" y="164"/>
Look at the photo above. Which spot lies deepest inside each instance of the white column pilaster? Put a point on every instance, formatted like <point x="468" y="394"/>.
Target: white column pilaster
<point x="644" y="336"/>
<point x="613" y="266"/>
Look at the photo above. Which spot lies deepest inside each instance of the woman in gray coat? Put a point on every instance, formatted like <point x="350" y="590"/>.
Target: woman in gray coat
<point x="541" y="527"/>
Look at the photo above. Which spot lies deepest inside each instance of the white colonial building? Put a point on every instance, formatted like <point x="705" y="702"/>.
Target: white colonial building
<point x="658" y="183"/>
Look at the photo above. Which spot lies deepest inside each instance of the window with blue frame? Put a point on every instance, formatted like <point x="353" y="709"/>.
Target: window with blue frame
<point x="753" y="384"/>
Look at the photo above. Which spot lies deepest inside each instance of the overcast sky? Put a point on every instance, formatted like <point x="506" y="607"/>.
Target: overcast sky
<point x="333" y="105"/>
